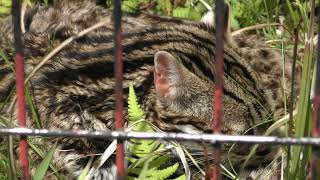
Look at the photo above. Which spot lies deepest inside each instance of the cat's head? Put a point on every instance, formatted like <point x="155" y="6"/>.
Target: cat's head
<point x="184" y="96"/>
<point x="184" y="101"/>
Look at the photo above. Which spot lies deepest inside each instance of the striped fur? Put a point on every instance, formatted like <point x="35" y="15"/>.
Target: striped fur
<point x="74" y="90"/>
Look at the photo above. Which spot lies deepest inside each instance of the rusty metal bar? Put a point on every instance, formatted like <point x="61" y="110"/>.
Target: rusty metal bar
<point x="19" y="65"/>
<point x="118" y="71"/>
<point x="220" y="13"/>
<point x="121" y="135"/>
<point x="315" y="157"/>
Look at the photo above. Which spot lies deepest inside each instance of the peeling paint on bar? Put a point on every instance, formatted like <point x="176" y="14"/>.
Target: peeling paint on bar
<point x="217" y="111"/>
<point x="19" y="67"/>
<point x="118" y="66"/>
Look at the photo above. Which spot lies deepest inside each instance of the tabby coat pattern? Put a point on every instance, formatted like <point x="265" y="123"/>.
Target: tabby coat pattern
<point x="170" y="62"/>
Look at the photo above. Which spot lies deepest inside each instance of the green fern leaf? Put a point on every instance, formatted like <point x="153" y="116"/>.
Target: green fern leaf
<point x="158" y="160"/>
<point x="145" y="161"/>
<point x="144" y="147"/>
<point x="163" y="173"/>
<point x="182" y="177"/>
<point x="134" y="109"/>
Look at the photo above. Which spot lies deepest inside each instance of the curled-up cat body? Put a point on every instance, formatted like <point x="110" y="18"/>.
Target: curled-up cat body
<point x="170" y="63"/>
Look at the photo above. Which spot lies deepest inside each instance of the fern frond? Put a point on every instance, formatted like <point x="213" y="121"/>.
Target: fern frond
<point x="135" y="111"/>
<point x="147" y="162"/>
<point x="163" y="173"/>
<point x="182" y="177"/>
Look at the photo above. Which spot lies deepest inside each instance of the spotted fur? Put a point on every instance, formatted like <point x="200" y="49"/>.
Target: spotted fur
<point x="74" y="90"/>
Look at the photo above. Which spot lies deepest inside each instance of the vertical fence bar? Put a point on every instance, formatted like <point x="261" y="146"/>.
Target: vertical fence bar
<point x="118" y="66"/>
<point x="19" y="64"/>
<point x="217" y="99"/>
<point x="315" y="157"/>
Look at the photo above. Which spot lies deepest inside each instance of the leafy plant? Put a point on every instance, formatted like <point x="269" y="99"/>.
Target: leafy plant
<point x="148" y="157"/>
<point x="135" y="111"/>
<point x="5" y="6"/>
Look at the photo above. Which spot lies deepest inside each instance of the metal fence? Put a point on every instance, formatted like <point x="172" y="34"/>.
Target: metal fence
<point x="214" y="139"/>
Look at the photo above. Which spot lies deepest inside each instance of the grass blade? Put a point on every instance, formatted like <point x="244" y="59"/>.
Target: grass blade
<point x="297" y="167"/>
<point x="44" y="165"/>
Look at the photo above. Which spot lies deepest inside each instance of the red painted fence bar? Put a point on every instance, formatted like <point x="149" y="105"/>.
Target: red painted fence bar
<point x="220" y="21"/>
<point x="118" y="67"/>
<point x="315" y="157"/>
<point x="19" y="65"/>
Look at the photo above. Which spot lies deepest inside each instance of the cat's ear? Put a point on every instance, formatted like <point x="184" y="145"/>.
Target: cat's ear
<point x="180" y="91"/>
<point x="168" y="74"/>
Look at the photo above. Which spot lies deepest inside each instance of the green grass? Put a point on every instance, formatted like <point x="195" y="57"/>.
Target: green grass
<point x="303" y="121"/>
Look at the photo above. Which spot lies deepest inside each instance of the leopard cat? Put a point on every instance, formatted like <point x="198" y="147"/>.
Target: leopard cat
<point x="171" y="65"/>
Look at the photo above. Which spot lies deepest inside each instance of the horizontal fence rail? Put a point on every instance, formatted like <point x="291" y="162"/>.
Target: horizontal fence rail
<point x="121" y="135"/>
